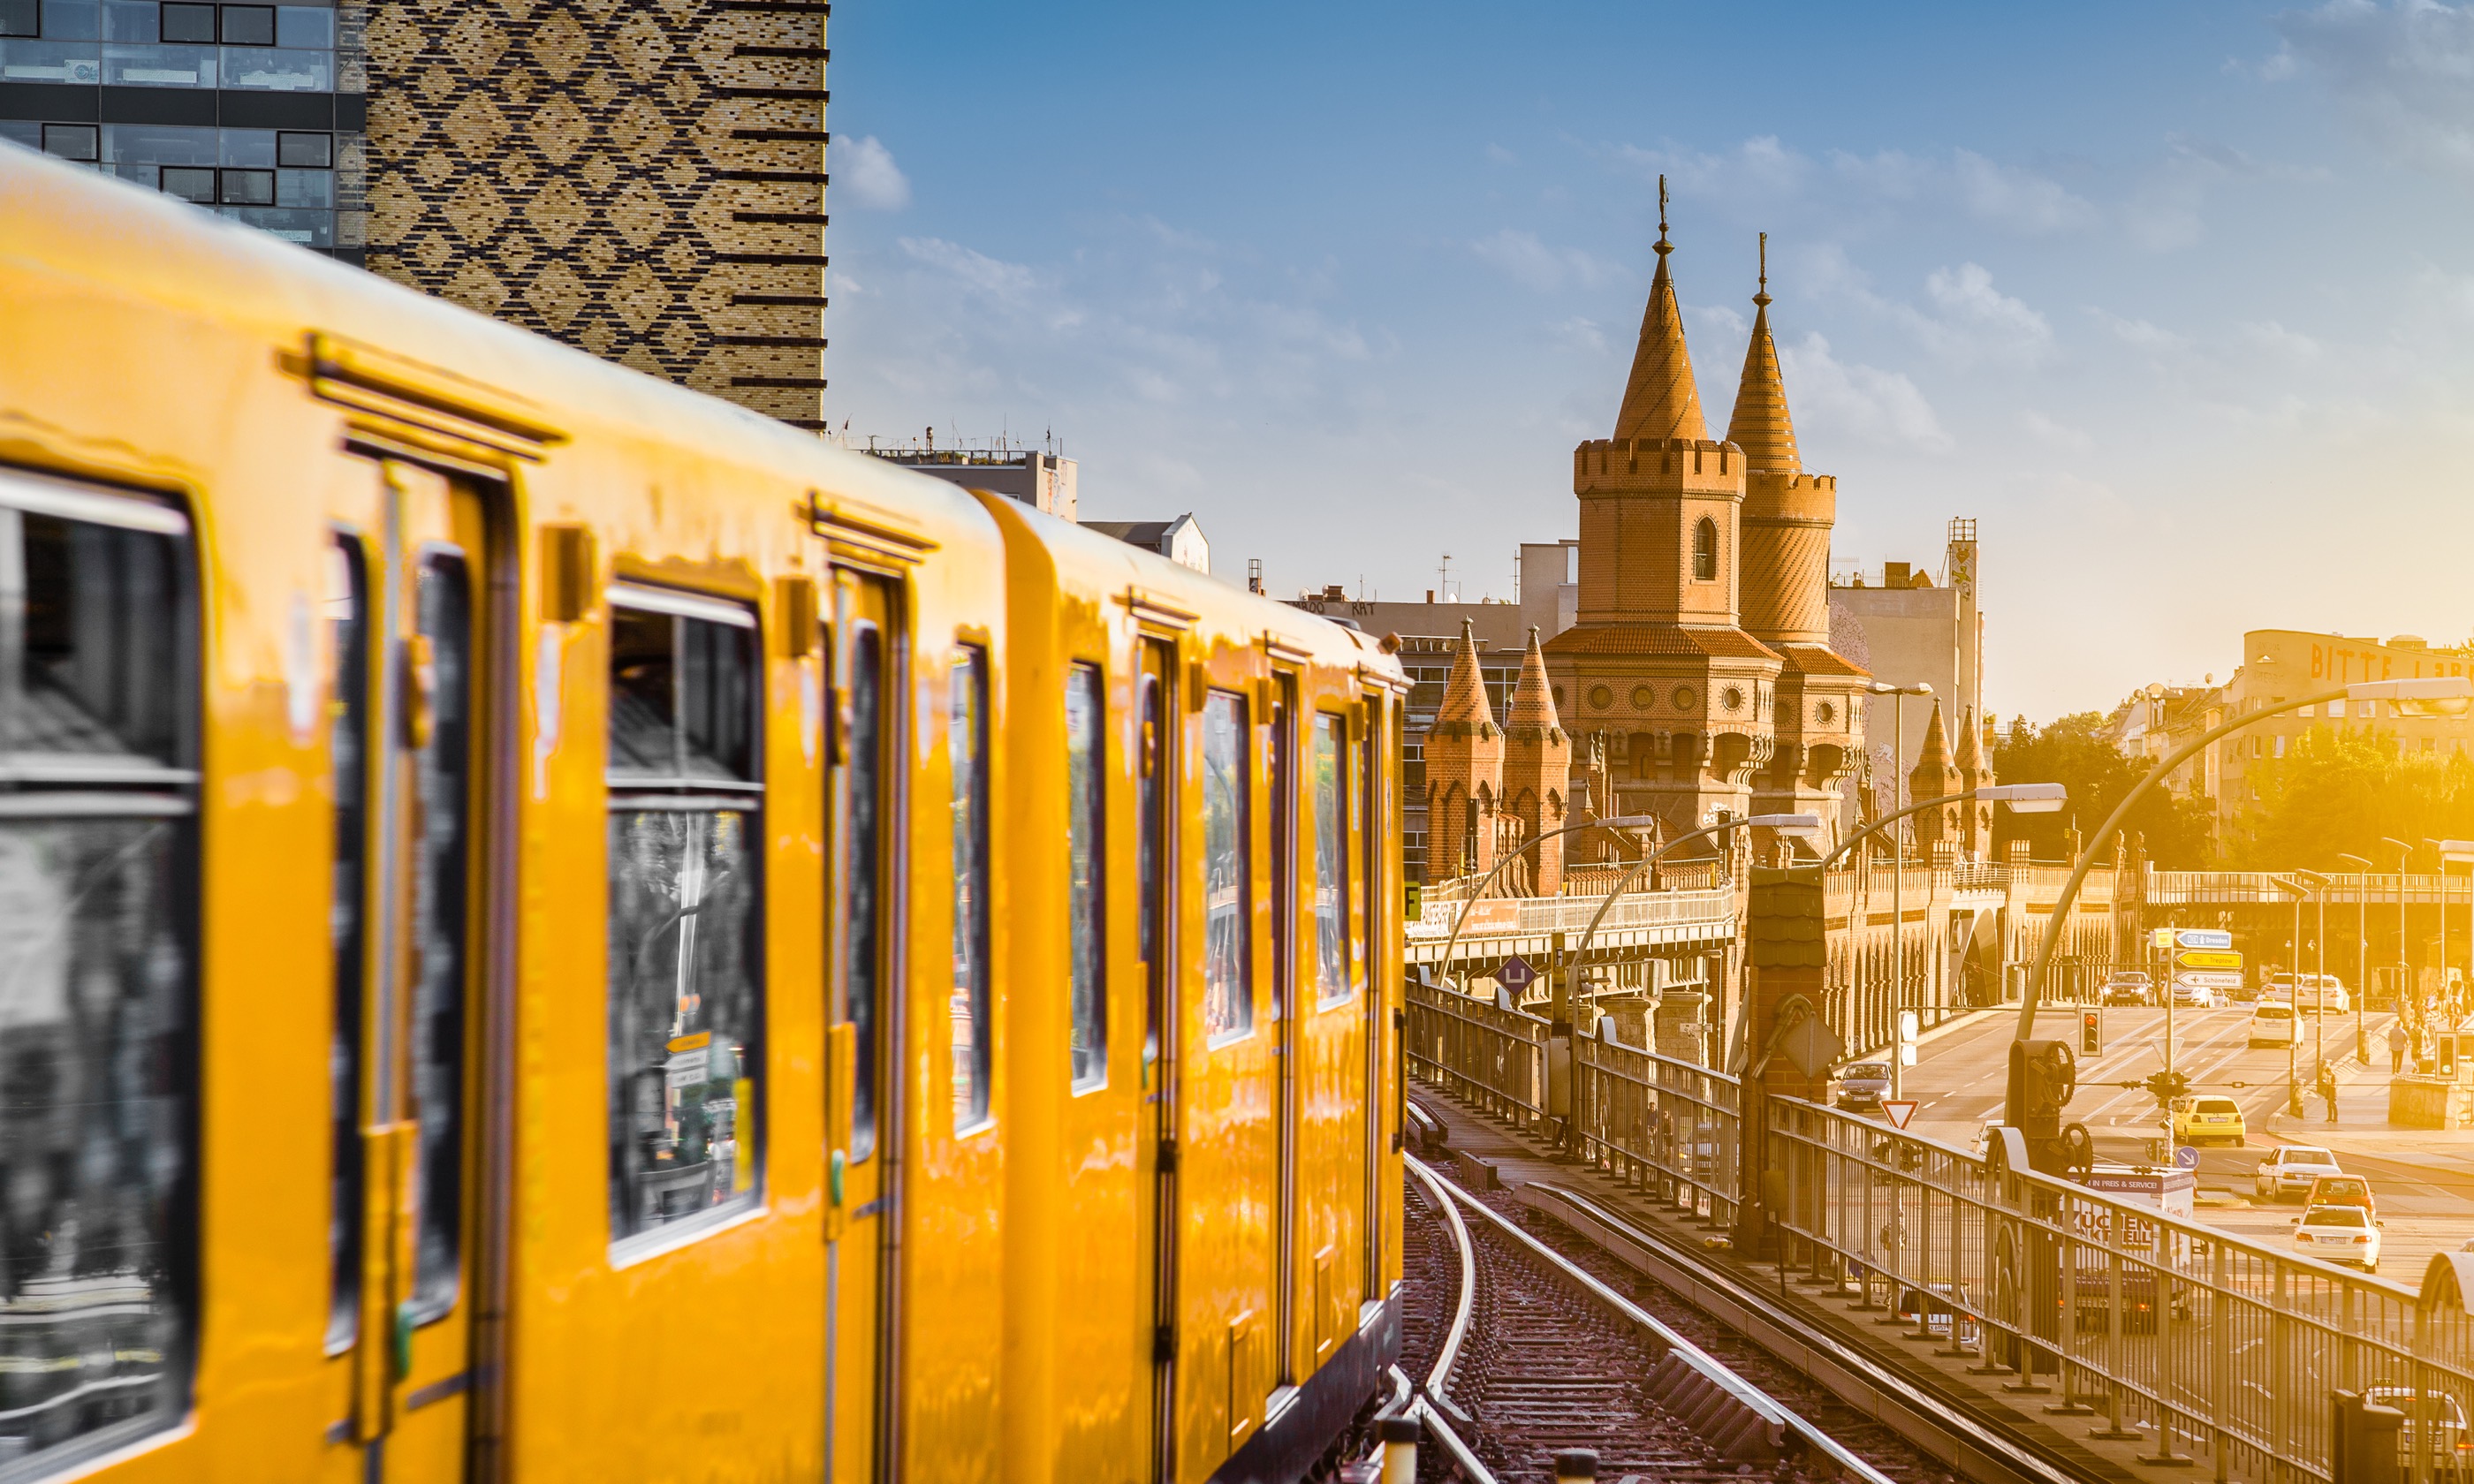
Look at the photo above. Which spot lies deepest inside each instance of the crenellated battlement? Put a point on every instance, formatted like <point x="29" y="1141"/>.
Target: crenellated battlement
<point x="1621" y="466"/>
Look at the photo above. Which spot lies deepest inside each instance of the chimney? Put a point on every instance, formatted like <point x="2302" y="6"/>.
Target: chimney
<point x="1894" y="574"/>
<point x="1334" y="592"/>
<point x="1430" y="594"/>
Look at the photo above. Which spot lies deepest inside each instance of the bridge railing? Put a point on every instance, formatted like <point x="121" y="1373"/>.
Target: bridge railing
<point x="1492" y="1057"/>
<point x="1666" y="1126"/>
<point x="1499" y="915"/>
<point x="2212" y="1345"/>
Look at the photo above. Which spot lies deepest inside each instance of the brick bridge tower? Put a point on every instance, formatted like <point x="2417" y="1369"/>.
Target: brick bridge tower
<point x="1817" y="713"/>
<point x="1657" y="656"/>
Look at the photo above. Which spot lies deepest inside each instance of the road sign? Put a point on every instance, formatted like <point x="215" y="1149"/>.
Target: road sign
<point x="1898" y="1109"/>
<point x="2186" y="1158"/>
<point x="1811" y="1045"/>
<point x="2202" y="938"/>
<point x="2161" y="938"/>
<point x="2207" y="958"/>
<point x="2209" y="978"/>
<point x="1907" y="1026"/>
<point x="1516" y="974"/>
<point x="1906" y="1053"/>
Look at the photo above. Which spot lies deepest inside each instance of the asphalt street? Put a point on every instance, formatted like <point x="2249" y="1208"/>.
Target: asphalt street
<point x="2424" y="1180"/>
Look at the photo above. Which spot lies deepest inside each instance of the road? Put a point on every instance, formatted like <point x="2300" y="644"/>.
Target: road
<point x="2424" y="1180"/>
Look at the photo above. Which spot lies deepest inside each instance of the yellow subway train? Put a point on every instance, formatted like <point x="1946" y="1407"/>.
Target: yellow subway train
<point x="555" y="929"/>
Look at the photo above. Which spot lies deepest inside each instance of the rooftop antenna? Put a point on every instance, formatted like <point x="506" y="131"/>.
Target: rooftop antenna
<point x="932" y="440"/>
<point x="1444" y="580"/>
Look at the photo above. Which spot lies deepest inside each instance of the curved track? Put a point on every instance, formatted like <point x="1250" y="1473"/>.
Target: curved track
<point x="1526" y="1352"/>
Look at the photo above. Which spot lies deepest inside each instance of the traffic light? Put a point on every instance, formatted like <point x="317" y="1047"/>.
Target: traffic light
<point x="2167" y="1086"/>
<point x="2091" y="1032"/>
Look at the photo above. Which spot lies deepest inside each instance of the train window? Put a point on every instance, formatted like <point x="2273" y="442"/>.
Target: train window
<point x="1284" y="848"/>
<point x="1331" y="859"/>
<point x="348" y="707"/>
<point x="1151" y="855"/>
<point x="98" y="999"/>
<point x="1227" y="870"/>
<point x="685" y="950"/>
<point x="1370" y="825"/>
<point x="966" y="758"/>
<point x="443" y="790"/>
<point x="863" y="862"/>
<point x="1086" y="722"/>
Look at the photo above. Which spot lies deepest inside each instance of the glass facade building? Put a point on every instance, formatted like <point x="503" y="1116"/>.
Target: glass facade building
<point x="257" y="113"/>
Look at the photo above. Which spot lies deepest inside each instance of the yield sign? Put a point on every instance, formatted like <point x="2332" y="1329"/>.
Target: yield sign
<point x="1516" y="974"/>
<point x="1899" y="1111"/>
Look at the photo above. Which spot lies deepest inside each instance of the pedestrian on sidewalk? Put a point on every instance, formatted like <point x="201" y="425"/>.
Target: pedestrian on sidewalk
<point x="2396" y="1046"/>
<point x="2328" y="1089"/>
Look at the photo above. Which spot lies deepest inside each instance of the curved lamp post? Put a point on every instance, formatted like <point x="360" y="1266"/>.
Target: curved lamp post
<point x="1619" y="822"/>
<point x="2449" y="695"/>
<point x="1800" y="823"/>
<point x="2361" y="952"/>
<point x="2405" y="853"/>
<point x="2022" y="798"/>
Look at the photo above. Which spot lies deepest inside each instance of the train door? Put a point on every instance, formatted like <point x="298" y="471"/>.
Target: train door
<point x="407" y="606"/>
<point x="1157" y="748"/>
<point x="862" y="1129"/>
<point x="1287" y="1014"/>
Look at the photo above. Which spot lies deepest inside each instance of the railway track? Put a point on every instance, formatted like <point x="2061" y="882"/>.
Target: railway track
<point x="1518" y="1351"/>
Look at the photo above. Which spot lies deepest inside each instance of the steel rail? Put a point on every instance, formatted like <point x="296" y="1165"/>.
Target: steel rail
<point x="1751" y="1398"/>
<point x="1882" y="1380"/>
<point x="1438" y="1381"/>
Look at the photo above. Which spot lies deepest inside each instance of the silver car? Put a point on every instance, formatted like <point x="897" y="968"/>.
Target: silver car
<point x="1863" y="1085"/>
<point x="2287" y="1173"/>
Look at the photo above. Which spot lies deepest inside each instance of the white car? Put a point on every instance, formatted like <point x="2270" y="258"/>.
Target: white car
<point x="2339" y="1234"/>
<point x="2322" y="991"/>
<point x="2198" y="997"/>
<point x="2288" y="1172"/>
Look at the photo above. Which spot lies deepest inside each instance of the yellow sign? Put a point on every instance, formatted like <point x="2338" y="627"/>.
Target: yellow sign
<point x="2160" y="938"/>
<point x="2203" y="958"/>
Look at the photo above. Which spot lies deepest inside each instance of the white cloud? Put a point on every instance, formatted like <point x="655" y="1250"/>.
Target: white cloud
<point x="998" y="279"/>
<point x="2275" y="340"/>
<point x="2018" y="200"/>
<point x="2140" y="333"/>
<point x="1879" y="406"/>
<point x="2060" y="435"/>
<point x="2403" y="73"/>
<point x="864" y="169"/>
<point x="1533" y="264"/>
<point x="1978" y="321"/>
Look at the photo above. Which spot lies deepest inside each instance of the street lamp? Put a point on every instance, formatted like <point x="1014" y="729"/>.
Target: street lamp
<point x="1619" y="822"/>
<point x="2022" y="798"/>
<point x="2452" y="853"/>
<point x="2435" y="695"/>
<point x="2403" y="851"/>
<point x="1897" y="695"/>
<point x="2310" y="884"/>
<point x="2361" y="952"/>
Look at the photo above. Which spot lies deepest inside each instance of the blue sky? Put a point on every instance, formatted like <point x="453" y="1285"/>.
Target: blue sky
<point x="2177" y="299"/>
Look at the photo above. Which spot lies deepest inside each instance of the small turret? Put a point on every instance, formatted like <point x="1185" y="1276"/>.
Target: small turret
<point x="1935" y="775"/>
<point x="1537" y="767"/>
<point x="1464" y="753"/>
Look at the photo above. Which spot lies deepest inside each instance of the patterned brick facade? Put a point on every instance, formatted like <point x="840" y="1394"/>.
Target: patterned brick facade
<point x="644" y="178"/>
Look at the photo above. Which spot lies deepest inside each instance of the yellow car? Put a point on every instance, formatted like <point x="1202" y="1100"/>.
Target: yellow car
<point x="2198" y="1119"/>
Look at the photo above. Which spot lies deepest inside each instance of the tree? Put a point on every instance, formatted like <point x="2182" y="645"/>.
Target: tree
<point x="2345" y="789"/>
<point x="2074" y="751"/>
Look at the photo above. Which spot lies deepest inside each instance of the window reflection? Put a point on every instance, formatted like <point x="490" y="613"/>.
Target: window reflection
<point x="443" y="785"/>
<point x="863" y="854"/>
<point x="1086" y="900"/>
<point x="1331" y="863"/>
<point x="1227" y="907"/>
<point x="966" y="756"/>
<point x="97" y="997"/>
<point x="348" y="739"/>
<point x="684" y="989"/>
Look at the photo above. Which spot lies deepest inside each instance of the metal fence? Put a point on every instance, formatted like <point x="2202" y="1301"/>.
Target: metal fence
<point x="2202" y="1345"/>
<point x="1492" y="1057"/>
<point x="1666" y="1126"/>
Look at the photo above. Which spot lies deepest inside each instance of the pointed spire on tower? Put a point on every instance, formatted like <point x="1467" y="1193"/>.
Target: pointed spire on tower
<point x="1760" y="424"/>
<point x="1531" y="716"/>
<point x="1660" y="399"/>
<point x="1466" y="710"/>
<point x="1971" y="752"/>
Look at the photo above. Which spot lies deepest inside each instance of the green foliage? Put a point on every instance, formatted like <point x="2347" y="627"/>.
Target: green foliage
<point x="2345" y="789"/>
<point x="2074" y="752"/>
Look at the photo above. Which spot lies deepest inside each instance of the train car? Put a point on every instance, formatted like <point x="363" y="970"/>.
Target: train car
<point x="555" y="928"/>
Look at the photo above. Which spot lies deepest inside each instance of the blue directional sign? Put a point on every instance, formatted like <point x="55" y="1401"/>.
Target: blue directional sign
<point x="2186" y="1158"/>
<point x="1516" y="974"/>
<point x="2202" y="938"/>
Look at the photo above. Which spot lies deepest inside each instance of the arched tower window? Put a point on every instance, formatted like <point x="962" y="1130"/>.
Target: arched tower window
<point x="1705" y="551"/>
